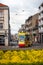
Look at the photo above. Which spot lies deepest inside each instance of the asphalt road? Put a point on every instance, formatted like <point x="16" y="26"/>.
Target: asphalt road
<point x="34" y="46"/>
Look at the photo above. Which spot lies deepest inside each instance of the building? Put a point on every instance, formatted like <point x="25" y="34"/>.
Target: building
<point x="13" y="38"/>
<point x="4" y="24"/>
<point x="35" y="30"/>
<point x="31" y="25"/>
<point x="28" y="24"/>
<point x="22" y="28"/>
<point x="40" y="23"/>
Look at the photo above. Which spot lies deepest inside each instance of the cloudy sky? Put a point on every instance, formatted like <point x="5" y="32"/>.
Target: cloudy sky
<point x="20" y="10"/>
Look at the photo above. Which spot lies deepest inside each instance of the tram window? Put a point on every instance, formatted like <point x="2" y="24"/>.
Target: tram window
<point x="27" y="37"/>
<point x="21" y="38"/>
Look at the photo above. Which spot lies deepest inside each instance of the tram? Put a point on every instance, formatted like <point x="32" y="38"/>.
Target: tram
<point x="25" y="39"/>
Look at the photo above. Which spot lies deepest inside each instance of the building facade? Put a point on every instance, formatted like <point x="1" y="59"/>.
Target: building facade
<point x="31" y="25"/>
<point x="41" y="23"/>
<point x="4" y="25"/>
<point x="28" y="24"/>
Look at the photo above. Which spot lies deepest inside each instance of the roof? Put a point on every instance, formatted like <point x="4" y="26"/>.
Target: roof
<point x="30" y="18"/>
<point x="3" y="5"/>
<point x="23" y="25"/>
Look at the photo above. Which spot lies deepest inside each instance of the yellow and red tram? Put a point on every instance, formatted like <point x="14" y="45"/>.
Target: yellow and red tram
<point x="21" y="39"/>
<point x="25" y="39"/>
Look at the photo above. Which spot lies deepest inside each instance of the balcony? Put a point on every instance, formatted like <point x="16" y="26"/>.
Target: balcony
<point x="23" y="28"/>
<point x="40" y="30"/>
<point x="41" y="22"/>
<point x="40" y="16"/>
<point x="2" y="31"/>
<point x="27" y="28"/>
<point x="1" y="18"/>
<point x="35" y="28"/>
<point x="28" y="23"/>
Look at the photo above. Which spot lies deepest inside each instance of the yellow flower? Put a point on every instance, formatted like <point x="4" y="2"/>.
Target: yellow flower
<point x="27" y="56"/>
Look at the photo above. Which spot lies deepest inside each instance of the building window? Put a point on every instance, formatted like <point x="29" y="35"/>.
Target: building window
<point x="42" y="12"/>
<point x="39" y="7"/>
<point x="39" y="20"/>
<point x="39" y="14"/>
<point x="42" y="19"/>
<point x="1" y="15"/>
<point x="41" y="25"/>
<point x="1" y="25"/>
<point x="40" y="28"/>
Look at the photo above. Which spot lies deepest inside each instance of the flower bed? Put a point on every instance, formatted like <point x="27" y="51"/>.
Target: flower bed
<point x="21" y="57"/>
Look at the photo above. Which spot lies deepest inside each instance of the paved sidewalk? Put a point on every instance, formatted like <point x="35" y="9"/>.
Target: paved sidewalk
<point x="34" y="46"/>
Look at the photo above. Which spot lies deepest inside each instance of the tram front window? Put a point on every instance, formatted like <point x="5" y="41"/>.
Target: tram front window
<point x="21" y="38"/>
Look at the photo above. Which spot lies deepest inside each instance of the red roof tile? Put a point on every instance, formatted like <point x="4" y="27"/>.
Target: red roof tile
<point x="2" y="5"/>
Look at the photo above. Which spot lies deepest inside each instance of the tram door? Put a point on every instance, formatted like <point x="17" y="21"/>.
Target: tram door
<point x="2" y="40"/>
